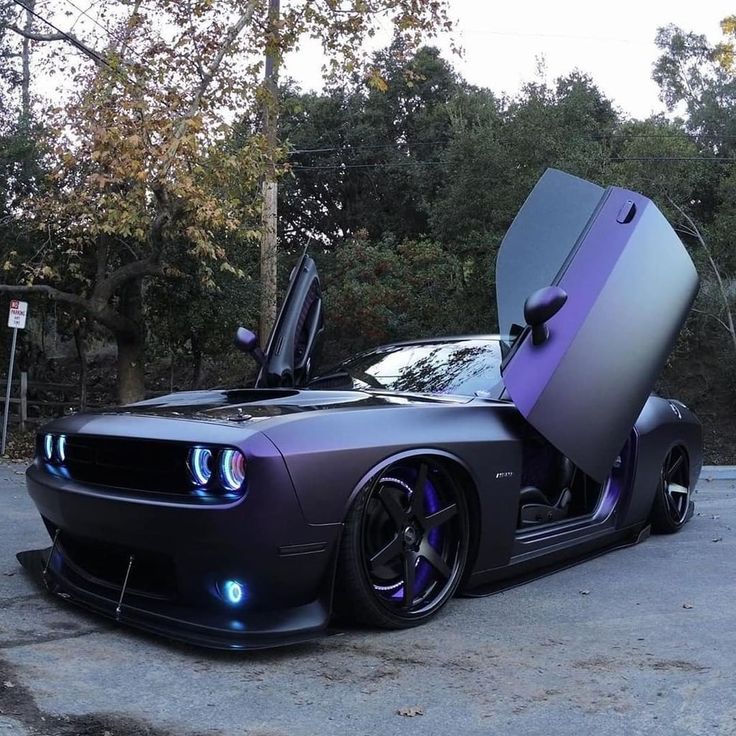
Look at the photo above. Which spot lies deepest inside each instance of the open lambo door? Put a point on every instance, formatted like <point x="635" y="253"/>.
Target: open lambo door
<point x="593" y="286"/>
<point x="291" y="344"/>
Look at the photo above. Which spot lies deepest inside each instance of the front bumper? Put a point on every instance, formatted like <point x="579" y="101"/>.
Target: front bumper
<point x="260" y="630"/>
<point x="181" y="556"/>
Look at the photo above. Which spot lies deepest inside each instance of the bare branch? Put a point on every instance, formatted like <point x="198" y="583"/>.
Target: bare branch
<point x="721" y="287"/>
<point x="55" y="294"/>
<point x="34" y="36"/>
<point x="100" y="313"/>
<point x="104" y="289"/>
<point x="713" y="316"/>
<point x="209" y="74"/>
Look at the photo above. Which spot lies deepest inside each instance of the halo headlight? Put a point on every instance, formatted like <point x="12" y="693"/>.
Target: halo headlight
<point x="200" y="465"/>
<point x="48" y="447"/>
<point x="232" y="470"/>
<point x="61" y="448"/>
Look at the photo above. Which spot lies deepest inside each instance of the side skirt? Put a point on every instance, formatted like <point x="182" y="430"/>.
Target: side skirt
<point x="513" y="575"/>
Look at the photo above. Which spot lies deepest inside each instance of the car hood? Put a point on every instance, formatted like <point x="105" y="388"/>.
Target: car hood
<point x="254" y="405"/>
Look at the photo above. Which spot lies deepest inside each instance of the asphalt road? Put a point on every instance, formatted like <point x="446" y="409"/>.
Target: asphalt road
<point x="639" y="641"/>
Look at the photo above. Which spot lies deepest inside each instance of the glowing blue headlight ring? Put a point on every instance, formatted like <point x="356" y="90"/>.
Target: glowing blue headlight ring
<point x="200" y="465"/>
<point x="232" y="469"/>
<point x="233" y="592"/>
<point x="48" y="447"/>
<point x="61" y="448"/>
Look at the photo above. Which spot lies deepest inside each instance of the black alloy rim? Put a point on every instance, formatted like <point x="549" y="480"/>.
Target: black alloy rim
<point x="413" y="536"/>
<point x="676" y="484"/>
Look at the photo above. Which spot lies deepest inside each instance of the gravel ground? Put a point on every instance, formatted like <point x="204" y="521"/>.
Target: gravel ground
<point x="639" y="641"/>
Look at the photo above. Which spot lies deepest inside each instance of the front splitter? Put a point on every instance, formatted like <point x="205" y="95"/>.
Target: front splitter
<point x="186" y="630"/>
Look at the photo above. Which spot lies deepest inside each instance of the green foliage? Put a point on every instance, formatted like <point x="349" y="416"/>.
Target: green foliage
<point x="373" y="158"/>
<point x="377" y="292"/>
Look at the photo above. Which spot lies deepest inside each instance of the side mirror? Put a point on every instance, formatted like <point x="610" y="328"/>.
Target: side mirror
<point x="540" y="307"/>
<point x="247" y="341"/>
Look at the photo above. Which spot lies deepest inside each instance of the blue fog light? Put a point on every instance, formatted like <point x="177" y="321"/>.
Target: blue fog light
<point x="48" y="447"/>
<point x="233" y="592"/>
<point x="200" y="465"/>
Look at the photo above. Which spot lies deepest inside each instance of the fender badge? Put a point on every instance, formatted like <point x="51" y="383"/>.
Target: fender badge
<point x="505" y="474"/>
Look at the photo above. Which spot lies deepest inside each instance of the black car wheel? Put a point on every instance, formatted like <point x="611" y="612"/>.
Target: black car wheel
<point x="404" y="546"/>
<point x="672" y="502"/>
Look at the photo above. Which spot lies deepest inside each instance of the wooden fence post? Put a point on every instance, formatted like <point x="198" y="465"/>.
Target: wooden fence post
<point x="23" y="413"/>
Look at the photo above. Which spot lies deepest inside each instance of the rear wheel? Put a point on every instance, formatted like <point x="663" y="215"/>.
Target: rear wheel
<point x="672" y="502"/>
<point x="404" y="546"/>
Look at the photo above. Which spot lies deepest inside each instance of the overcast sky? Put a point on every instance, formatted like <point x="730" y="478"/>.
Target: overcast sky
<point x="611" y="41"/>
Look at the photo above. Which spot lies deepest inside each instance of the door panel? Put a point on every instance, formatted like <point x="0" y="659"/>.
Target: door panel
<point x="293" y="339"/>
<point x="630" y="284"/>
<point x="540" y="240"/>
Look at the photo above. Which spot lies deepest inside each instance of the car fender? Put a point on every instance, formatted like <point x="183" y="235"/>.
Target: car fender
<point x="662" y="425"/>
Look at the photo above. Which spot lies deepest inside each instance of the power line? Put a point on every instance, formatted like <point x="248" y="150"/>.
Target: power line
<point x="612" y="159"/>
<point x="695" y="159"/>
<point x="623" y="137"/>
<point x="91" y="53"/>
<point x="365" y="147"/>
<point x="370" y="166"/>
<point x="94" y="20"/>
<point x="106" y="30"/>
<point x="557" y="36"/>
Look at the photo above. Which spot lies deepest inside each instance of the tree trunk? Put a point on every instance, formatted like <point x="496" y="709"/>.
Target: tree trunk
<point x="25" y="107"/>
<point x="269" y="236"/>
<point x="131" y="345"/>
<point x="131" y="386"/>
<point x="79" y="341"/>
<point x="196" y="360"/>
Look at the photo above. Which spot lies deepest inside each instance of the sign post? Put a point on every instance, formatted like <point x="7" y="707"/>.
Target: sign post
<point x="16" y="320"/>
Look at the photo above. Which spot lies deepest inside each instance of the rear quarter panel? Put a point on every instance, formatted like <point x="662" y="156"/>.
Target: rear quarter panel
<point x="662" y="425"/>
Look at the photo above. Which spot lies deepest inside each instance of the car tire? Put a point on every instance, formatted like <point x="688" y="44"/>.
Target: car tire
<point x="404" y="546"/>
<point x="672" y="505"/>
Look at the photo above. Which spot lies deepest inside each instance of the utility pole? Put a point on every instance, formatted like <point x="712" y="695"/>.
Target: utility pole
<point x="25" y="107"/>
<point x="269" y="245"/>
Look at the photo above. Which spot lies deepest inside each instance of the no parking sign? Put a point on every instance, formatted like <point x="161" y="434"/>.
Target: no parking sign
<point x="18" y="314"/>
<point x="16" y="320"/>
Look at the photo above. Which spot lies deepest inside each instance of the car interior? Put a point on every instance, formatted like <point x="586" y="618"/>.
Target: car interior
<point x="552" y="488"/>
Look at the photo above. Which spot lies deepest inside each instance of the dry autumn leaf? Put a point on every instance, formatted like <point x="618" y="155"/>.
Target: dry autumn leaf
<point x="410" y="711"/>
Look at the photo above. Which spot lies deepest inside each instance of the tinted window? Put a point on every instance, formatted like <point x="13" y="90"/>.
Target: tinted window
<point x="539" y="241"/>
<point x="458" y="367"/>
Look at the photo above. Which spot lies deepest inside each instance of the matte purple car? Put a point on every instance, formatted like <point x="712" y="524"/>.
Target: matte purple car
<point x="409" y="473"/>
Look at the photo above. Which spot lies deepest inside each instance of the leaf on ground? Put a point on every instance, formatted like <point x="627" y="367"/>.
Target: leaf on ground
<point x="687" y="605"/>
<point x="410" y="711"/>
<point x="584" y="592"/>
<point x="7" y="683"/>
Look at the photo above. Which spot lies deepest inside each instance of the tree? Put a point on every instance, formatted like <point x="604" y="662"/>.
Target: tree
<point x="366" y="158"/>
<point x="139" y="175"/>
<point x="690" y="72"/>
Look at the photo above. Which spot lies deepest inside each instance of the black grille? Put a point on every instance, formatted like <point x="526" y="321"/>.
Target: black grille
<point x="143" y="465"/>
<point x="105" y="564"/>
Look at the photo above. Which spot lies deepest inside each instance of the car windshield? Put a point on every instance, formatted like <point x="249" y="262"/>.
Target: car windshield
<point x="464" y="367"/>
